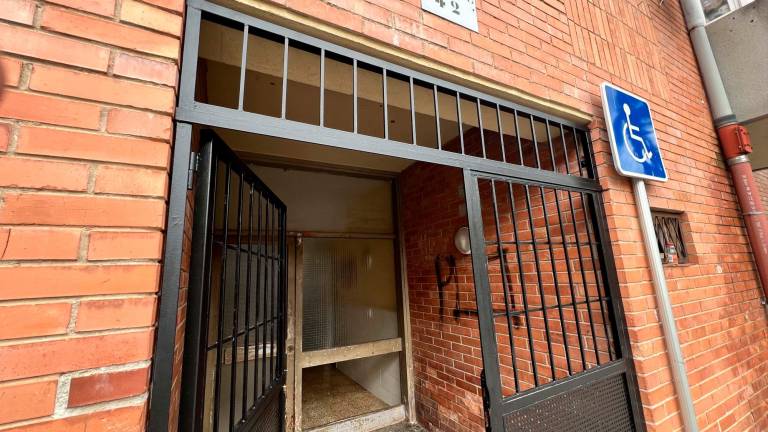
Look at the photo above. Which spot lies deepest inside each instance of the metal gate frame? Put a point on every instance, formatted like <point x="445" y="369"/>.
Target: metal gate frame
<point x="189" y="112"/>
<point x="497" y="405"/>
<point x="271" y="372"/>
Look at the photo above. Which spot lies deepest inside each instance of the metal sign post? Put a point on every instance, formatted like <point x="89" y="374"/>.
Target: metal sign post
<point x="636" y="154"/>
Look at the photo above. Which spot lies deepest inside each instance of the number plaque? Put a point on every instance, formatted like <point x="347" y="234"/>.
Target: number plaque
<point x="461" y="12"/>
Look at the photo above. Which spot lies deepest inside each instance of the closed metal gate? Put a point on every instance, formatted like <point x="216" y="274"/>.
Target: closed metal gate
<point x="554" y="347"/>
<point x="234" y="367"/>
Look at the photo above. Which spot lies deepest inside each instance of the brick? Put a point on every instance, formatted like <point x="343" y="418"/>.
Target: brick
<point x="19" y="243"/>
<point x="100" y="7"/>
<point x="145" y="69"/>
<point x="101" y="88"/>
<point x="47" y="109"/>
<point x="10" y="71"/>
<point x="91" y="389"/>
<point x="43" y="174"/>
<point x="130" y="181"/>
<point x="73" y="353"/>
<point x="28" y="282"/>
<point x="174" y="5"/>
<point x="5" y="136"/>
<point x="115" y="314"/>
<point x="57" y="142"/>
<point x="27" y="399"/>
<point x="20" y="11"/>
<point x="109" y="32"/>
<point x="110" y="245"/>
<point x="33" y="43"/>
<point x="30" y="320"/>
<point x="147" y="16"/>
<point x="127" y="419"/>
<point x="81" y="210"/>
<point x="139" y="123"/>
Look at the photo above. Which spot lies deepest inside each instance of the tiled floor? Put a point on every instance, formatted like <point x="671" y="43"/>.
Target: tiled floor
<point x="403" y="427"/>
<point x="329" y="396"/>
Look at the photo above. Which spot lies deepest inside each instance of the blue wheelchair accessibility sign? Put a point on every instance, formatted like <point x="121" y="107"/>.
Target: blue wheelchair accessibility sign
<point x="634" y="146"/>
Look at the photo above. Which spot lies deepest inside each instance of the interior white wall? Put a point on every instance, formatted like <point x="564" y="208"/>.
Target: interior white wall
<point x="324" y="202"/>
<point x="379" y="375"/>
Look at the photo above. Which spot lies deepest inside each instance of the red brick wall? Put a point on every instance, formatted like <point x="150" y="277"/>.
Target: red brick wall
<point x="85" y="131"/>
<point x="446" y="349"/>
<point x="562" y="50"/>
<point x="84" y="147"/>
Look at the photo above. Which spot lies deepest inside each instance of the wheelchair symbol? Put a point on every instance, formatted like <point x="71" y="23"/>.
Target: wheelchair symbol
<point x="628" y="126"/>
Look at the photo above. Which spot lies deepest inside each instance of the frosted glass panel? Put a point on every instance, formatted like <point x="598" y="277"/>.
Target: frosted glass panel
<point x="349" y="292"/>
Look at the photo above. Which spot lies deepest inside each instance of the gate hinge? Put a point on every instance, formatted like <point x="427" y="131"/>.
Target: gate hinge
<point x="194" y="162"/>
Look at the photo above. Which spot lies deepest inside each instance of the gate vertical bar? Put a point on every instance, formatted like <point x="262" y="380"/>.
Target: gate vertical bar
<point x="247" y="342"/>
<point x="521" y="275"/>
<point x="222" y="301"/>
<point x="483" y="297"/>
<point x="264" y="301"/>
<point x="505" y="281"/>
<point x="552" y="252"/>
<point x="257" y="367"/>
<point x="192" y="370"/>
<point x="235" y="306"/>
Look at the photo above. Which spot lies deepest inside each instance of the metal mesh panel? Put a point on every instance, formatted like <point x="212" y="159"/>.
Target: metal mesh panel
<point x="326" y="273"/>
<point x="270" y="420"/>
<point x="349" y="292"/>
<point x="598" y="406"/>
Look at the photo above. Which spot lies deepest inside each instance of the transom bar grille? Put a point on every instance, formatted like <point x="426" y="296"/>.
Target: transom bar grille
<point x="273" y="74"/>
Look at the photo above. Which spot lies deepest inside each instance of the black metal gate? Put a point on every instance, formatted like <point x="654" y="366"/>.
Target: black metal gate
<point x="554" y="343"/>
<point x="234" y="366"/>
<point x="551" y="324"/>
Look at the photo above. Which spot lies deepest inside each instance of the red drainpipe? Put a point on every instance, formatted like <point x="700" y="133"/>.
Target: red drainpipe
<point x="734" y="140"/>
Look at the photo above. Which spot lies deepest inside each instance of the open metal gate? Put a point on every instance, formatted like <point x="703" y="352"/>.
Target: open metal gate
<point x="234" y="368"/>
<point x="551" y="324"/>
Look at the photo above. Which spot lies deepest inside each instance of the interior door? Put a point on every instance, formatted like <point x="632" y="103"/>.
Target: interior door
<point x="555" y="350"/>
<point x="235" y="353"/>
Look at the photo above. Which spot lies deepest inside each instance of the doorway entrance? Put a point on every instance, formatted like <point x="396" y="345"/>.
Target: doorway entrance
<point x="242" y="73"/>
<point x="346" y="338"/>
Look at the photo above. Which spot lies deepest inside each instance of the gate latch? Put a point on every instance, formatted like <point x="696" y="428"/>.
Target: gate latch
<point x="193" y="164"/>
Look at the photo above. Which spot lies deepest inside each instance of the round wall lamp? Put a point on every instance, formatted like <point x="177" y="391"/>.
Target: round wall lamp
<point x="461" y="241"/>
